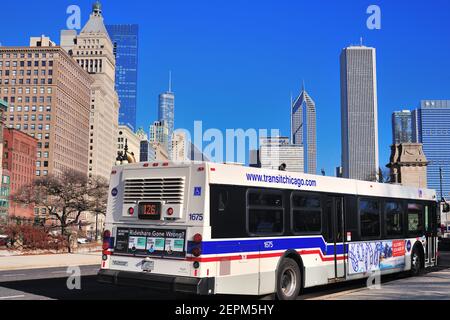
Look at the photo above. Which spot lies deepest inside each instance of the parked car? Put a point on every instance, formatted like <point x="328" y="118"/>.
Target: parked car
<point x="83" y="241"/>
<point x="3" y="241"/>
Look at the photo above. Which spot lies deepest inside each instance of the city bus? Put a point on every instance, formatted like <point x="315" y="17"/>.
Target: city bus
<point x="217" y="229"/>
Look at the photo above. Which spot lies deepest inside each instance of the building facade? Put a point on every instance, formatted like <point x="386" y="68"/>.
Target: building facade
<point x="408" y="165"/>
<point x="125" y="39"/>
<point x="179" y="147"/>
<point x="127" y="137"/>
<point x="159" y="133"/>
<point x="433" y="119"/>
<point x="49" y="98"/>
<point x="304" y="129"/>
<point x="19" y="159"/>
<point x="93" y="50"/>
<point x="148" y="153"/>
<point x="359" y="113"/>
<point x="276" y="151"/>
<point x="402" y="127"/>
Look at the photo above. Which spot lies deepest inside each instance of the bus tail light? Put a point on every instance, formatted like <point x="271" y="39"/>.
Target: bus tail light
<point x="106" y="241"/>
<point x="170" y="212"/>
<point x="131" y="211"/>
<point x="198" y="238"/>
<point x="196" y="252"/>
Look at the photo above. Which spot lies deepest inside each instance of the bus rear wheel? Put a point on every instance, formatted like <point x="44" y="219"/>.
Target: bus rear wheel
<point x="416" y="262"/>
<point x="288" y="280"/>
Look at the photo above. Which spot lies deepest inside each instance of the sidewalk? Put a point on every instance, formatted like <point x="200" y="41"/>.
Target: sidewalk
<point x="49" y="261"/>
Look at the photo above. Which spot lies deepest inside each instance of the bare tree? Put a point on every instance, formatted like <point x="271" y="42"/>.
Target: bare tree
<point x="65" y="197"/>
<point x="98" y="198"/>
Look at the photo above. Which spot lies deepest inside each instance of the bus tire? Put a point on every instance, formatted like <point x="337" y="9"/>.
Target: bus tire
<point x="416" y="262"/>
<point x="289" y="280"/>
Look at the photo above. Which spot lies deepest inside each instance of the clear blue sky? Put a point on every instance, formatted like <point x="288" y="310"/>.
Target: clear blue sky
<point x="236" y="62"/>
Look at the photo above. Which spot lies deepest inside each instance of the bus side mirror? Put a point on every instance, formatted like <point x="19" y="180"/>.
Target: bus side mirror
<point x="446" y="208"/>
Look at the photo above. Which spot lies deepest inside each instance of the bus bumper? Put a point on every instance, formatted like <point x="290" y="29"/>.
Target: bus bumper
<point x="197" y="286"/>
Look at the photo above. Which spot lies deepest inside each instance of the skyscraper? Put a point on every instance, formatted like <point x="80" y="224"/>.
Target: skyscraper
<point x="125" y="41"/>
<point x="166" y="112"/>
<point x="49" y="99"/>
<point x="433" y="118"/>
<point x="402" y="127"/>
<point x="304" y="129"/>
<point x="359" y="113"/>
<point x="93" y="51"/>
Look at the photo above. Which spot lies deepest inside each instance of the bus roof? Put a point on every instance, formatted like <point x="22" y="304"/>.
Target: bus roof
<point x="225" y="174"/>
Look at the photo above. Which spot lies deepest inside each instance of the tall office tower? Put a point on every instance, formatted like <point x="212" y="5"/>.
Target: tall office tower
<point x="402" y="127"/>
<point x="93" y="51"/>
<point x="166" y="112"/>
<point x="304" y="122"/>
<point x="275" y="151"/>
<point x="359" y="113"/>
<point x="49" y="99"/>
<point x="159" y="133"/>
<point x="433" y="118"/>
<point x="125" y="41"/>
<point x="179" y="147"/>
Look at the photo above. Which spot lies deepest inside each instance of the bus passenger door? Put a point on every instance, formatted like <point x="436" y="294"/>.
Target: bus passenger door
<point x="336" y="236"/>
<point x="431" y="235"/>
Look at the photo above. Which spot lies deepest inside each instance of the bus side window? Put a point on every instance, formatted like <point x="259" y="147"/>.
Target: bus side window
<point x="415" y="219"/>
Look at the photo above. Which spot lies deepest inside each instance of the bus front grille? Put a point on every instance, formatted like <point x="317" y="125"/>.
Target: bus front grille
<point x="168" y="190"/>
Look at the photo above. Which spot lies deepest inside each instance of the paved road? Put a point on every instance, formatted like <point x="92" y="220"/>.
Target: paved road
<point x="51" y="284"/>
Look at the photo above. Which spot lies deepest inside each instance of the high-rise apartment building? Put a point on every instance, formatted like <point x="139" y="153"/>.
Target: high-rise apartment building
<point x="433" y="119"/>
<point x="125" y="39"/>
<point x="304" y="132"/>
<point x="159" y="133"/>
<point x="276" y="151"/>
<point x="359" y="113"/>
<point x="94" y="52"/>
<point x="402" y="127"/>
<point x="19" y="158"/>
<point x="49" y="99"/>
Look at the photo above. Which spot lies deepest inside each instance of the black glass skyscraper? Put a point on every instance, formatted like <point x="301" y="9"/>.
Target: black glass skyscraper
<point x="125" y="40"/>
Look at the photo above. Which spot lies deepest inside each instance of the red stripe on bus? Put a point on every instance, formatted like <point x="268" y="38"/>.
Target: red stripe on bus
<point x="264" y="256"/>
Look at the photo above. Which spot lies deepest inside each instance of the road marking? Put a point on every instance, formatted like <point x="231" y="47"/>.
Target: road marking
<point x="12" y="297"/>
<point x="13" y="275"/>
<point x="59" y="272"/>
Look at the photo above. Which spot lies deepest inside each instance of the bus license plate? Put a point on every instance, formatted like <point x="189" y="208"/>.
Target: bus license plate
<point x="148" y="266"/>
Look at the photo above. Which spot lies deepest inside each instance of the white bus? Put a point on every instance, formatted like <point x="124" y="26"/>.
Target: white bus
<point x="209" y="229"/>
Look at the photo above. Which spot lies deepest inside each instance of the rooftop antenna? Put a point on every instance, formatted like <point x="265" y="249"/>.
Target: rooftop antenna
<point x="361" y="41"/>
<point x="303" y="85"/>
<point x="170" y="81"/>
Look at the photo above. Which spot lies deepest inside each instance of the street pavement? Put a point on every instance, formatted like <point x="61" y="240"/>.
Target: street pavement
<point x="8" y="263"/>
<point x="51" y="284"/>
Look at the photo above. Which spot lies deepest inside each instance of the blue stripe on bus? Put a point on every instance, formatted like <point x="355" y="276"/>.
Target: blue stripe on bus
<point x="267" y="245"/>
